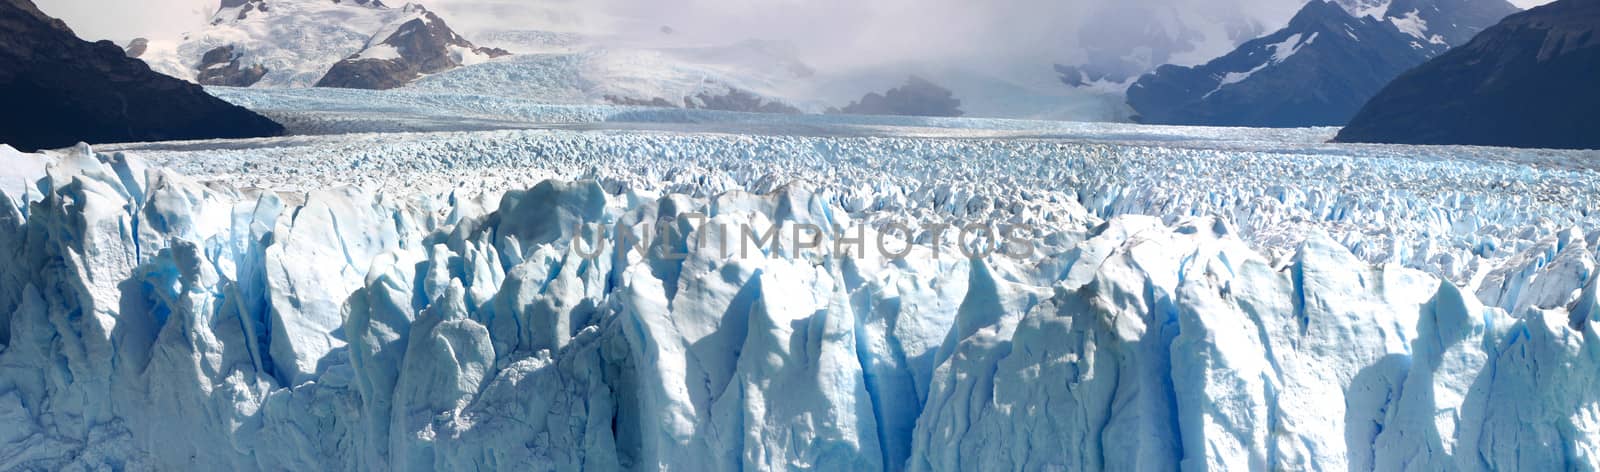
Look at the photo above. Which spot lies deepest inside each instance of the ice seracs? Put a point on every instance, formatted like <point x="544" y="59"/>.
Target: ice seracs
<point x="487" y="326"/>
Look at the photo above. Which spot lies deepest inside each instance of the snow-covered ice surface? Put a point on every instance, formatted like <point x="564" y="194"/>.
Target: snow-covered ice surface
<point x="598" y="71"/>
<point x="1193" y="299"/>
<point x="592" y="75"/>
<point x="342" y="111"/>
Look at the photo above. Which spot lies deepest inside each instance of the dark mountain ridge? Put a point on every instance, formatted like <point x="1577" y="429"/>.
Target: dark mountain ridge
<point x="1317" y="71"/>
<point x="1529" y="81"/>
<point x="61" y="90"/>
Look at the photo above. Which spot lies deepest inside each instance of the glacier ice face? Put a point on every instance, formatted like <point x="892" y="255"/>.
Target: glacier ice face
<point x="1452" y="211"/>
<point x="473" y="302"/>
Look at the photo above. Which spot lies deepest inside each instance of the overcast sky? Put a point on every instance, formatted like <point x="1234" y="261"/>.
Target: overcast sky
<point x="957" y="26"/>
<point x="127" y="19"/>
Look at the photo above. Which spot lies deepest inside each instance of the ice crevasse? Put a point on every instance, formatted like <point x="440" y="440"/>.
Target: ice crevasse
<point x="152" y="321"/>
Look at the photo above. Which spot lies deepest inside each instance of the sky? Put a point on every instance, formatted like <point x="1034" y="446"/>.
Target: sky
<point x="126" y="19"/>
<point x="869" y="30"/>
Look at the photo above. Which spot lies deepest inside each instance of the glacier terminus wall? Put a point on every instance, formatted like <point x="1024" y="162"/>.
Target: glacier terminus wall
<point x="155" y="320"/>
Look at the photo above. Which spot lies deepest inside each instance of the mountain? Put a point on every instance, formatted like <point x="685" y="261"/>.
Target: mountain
<point x="1317" y="71"/>
<point x="302" y="43"/>
<point x="1527" y="82"/>
<point x="420" y="44"/>
<point x="918" y="97"/>
<point x="60" y="90"/>
<point x="1453" y="22"/>
<point x="1121" y="40"/>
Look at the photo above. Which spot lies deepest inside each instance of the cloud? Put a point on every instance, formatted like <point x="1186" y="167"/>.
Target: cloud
<point x="870" y="31"/>
<point x="838" y="32"/>
<point x="122" y="20"/>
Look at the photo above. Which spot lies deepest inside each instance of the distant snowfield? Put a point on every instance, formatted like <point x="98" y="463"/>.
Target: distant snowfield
<point x="322" y="111"/>
<point x="586" y="75"/>
<point x="417" y="284"/>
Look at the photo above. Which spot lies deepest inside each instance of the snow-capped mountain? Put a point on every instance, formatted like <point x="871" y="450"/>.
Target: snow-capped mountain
<point x="301" y="43"/>
<point x="410" y="47"/>
<point x="1452" y="22"/>
<point x="1317" y="71"/>
<point x="1121" y="40"/>
<point x="573" y="60"/>
<point x="1526" y="82"/>
<point x="60" y="90"/>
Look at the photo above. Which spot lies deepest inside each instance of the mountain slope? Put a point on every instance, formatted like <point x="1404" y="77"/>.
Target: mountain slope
<point x="1121" y="40"/>
<point x="918" y="97"/>
<point x="60" y="90"/>
<point x="1527" y="82"/>
<point x="419" y="44"/>
<point x="1317" y="71"/>
<point x="1454" y="22"/>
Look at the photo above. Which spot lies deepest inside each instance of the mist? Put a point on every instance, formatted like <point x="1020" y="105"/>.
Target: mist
<point x="998" y="55"/>
<point x="828" y="33"/>
<point x="843" y="33"/>
<point x="124" y="20"/>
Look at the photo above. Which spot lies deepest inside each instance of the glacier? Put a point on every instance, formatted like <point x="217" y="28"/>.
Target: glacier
<point x="1195" y="299"/>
